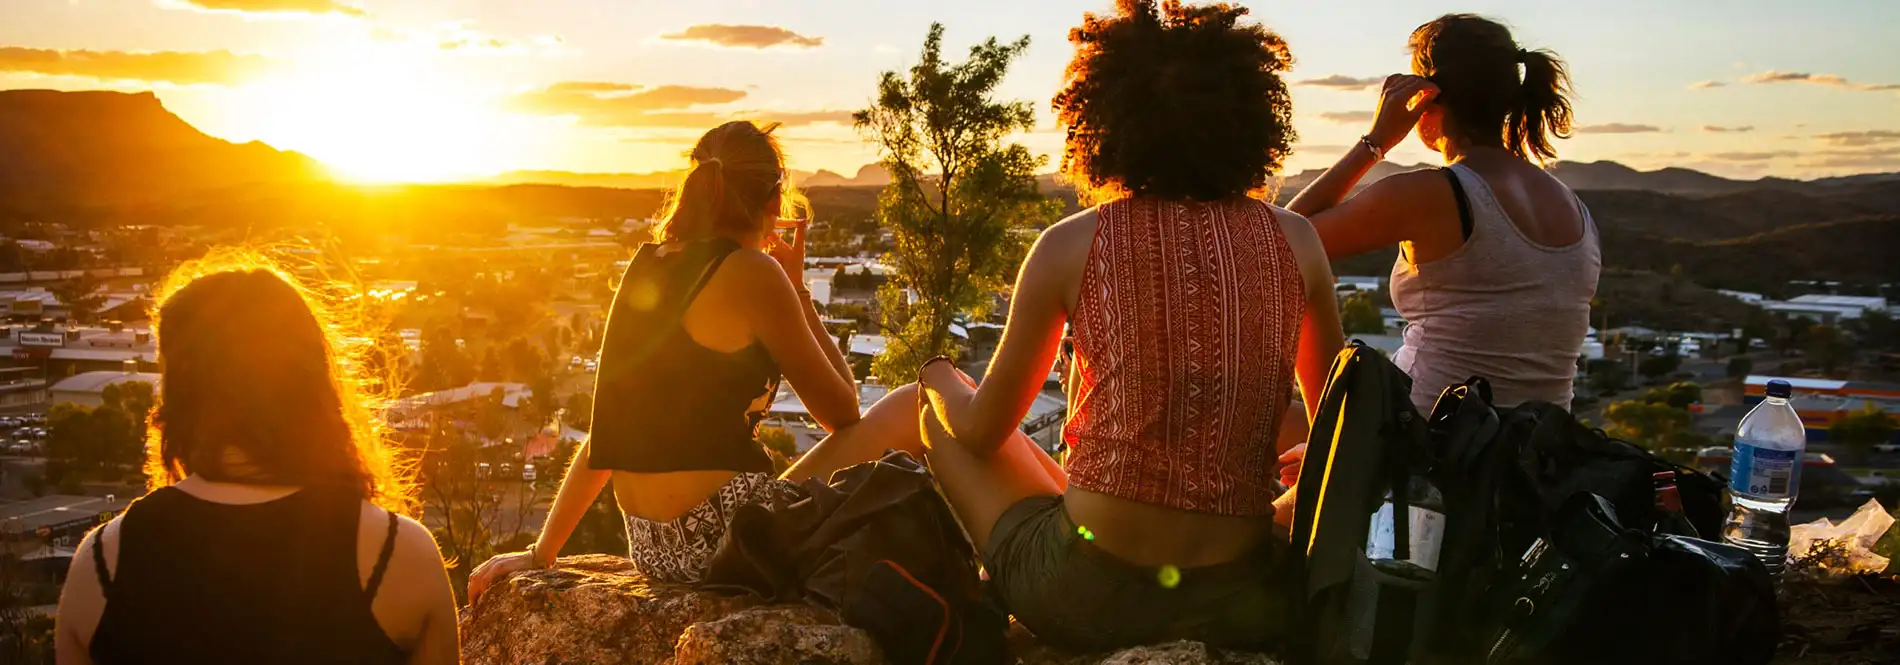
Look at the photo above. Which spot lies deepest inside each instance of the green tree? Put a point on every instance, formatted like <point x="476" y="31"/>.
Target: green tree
<point x="1361" y="316"/>
<point x="1656" y="367"/>
<point x="82" y="296"/>
<point x="1827" y="348"/>
<point x="1678" y="395"/>
<point x="1644" y="423"/>
<point x="445" y="364"/>
<point x="960" y="202"/>
<point x="579" y="409"/>
<point x="1739" y="367"/>
<point x="1878" y="330"/>
<point x="1863" y="429"/>
<point x="1608" y="376"/>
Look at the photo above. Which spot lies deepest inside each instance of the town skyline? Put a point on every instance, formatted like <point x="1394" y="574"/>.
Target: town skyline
<point x="406" y="90"/>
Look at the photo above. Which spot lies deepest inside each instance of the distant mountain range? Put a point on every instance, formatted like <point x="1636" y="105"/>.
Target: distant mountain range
<point x="116" y="158"/>
<point x="870" y="175"/>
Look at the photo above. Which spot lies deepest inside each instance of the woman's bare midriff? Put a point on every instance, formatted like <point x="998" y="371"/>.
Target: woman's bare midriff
<point x="663" y="497"/>
<point x="1149" y="535"/>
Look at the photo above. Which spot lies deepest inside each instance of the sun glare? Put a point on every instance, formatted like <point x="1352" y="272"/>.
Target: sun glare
<point x="377" y="114"/>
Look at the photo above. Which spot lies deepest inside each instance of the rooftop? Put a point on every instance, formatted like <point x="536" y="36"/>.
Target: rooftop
<point x="96" y="382"/>
<point x="48" y="511"/>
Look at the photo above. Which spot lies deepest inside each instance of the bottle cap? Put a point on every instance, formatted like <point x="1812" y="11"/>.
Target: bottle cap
<point x="1780" y="389"/>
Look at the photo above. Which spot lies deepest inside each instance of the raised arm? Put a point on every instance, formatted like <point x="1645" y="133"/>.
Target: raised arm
<point x="1381" y="215"/>
<point x="1038" y="310"/>
<point x="783" y="321"/>
<point x="791" y="259"/>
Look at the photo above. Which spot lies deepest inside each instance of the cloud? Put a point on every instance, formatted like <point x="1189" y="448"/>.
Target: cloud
<point x="1343" y="82"/>
<point x="1885" y="158"/>
<point x="606" y="104"/>
<point x="1773" y="76"/>
<point x="745" y="36"/>
<point x="1755" y="156"/>
<point x="461" y="37"/>
<point x="1705" y="85"/>
<point x="1618" y="128"/>
<point x="275" y="7"/>
<point x="1869" y="137"/>
<point x="1347" y="117"/>
<point x="1718" y="129"/>
<point x="181" y="67"/>
<point x="802" y="118"/>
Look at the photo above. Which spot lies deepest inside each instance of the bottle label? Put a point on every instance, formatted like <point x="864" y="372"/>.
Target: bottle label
<point x="1427" y="534"/>
<point x="1763" y="472"/>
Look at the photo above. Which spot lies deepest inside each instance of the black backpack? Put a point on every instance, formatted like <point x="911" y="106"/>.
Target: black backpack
<point x="1555" y="551"/>
<point x="1550" y="551"/>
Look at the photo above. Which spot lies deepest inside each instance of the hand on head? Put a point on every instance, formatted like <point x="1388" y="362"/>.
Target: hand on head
<point x="1401" y="102"/>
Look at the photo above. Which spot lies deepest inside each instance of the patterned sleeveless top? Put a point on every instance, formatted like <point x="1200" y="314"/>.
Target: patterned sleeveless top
<point x="1185" y="333"/>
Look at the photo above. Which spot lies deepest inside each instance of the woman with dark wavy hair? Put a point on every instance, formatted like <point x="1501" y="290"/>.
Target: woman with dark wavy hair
<point x="1498" y="260"/>
<point x="1195" y="309"/>
<point x="273" y="532"/>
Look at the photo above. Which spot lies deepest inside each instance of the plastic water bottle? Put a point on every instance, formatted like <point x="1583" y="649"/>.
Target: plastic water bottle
<point x="1765" y="477"/>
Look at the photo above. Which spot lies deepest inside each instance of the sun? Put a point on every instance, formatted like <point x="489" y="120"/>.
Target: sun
<point x="383" y="115"/>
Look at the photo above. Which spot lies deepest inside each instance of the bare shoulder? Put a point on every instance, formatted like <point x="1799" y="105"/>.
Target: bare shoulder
<point x="410" y="544"/>
<point x="1307" y="248"/>
<point x="1414" y="185"/>
<point x="1067" y="243"/>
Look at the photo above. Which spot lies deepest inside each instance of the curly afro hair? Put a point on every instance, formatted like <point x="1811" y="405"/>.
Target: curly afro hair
<point x="1175" y="101"/>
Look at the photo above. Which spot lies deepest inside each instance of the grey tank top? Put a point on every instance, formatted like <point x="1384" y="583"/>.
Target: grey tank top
<point x="1502" y="307"/>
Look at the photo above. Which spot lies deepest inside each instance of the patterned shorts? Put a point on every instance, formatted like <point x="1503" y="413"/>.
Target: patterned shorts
<point x="678" y="551"/>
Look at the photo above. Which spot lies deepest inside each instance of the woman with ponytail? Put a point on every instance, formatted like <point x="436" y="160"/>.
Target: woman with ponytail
<point x="1497" y="260"/>
<point x="704" y="324"/>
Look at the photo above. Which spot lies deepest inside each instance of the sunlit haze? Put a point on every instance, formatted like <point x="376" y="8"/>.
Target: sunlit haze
<point x="424" y="90"/>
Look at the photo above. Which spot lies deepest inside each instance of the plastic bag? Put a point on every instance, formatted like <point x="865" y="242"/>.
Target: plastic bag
<point x="1829" y="551"/>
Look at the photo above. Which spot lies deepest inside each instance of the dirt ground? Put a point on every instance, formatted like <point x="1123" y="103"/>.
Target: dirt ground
<point x="1856" y="622"/>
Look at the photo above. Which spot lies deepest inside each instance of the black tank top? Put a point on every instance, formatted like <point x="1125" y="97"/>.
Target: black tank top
<point x="663" y="402"/>
<point x="275" y="582"/>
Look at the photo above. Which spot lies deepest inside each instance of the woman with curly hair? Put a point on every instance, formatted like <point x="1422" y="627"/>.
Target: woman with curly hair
<point x="1195" y="309"/>
<point x="1498" y="260"/>
<point x="272" y="533"/>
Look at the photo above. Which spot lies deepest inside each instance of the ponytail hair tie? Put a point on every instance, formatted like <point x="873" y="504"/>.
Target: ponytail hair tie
<point x="1523" y="56"/>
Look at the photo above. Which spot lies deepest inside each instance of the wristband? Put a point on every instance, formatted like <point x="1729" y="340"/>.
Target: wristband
<point x="928" y="363"/>
<point x="1377" y="152"/>
<point x="534" y="557"/>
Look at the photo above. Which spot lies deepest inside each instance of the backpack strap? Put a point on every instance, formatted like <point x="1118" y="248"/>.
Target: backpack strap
<point x="1464" y="204"/>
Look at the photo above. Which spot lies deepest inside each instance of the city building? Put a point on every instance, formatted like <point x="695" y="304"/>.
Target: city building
<point x="51" y="526"/>
<point x="88" y="388"/>
<point x="1823" y="402"/>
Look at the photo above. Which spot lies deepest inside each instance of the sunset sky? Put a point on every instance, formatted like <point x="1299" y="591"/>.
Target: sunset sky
<point x="445" y="89"/>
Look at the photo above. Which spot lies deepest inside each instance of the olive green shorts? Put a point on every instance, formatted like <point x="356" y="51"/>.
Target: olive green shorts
<point x="1076" y="596"/>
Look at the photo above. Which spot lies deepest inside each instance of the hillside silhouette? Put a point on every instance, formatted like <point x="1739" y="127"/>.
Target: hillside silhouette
<point x="115" y="158"/>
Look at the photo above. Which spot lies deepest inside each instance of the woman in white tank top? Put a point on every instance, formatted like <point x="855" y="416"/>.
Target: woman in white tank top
<point x="1498" y="260"/>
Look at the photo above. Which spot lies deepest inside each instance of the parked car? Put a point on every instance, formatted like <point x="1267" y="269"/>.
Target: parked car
<point x="528" y="474"/>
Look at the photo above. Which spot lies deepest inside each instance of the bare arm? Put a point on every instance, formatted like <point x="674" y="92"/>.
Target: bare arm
<point x="1037" y="313"/>
<point x="1379" y="216"/>
<point x="782" y="320"/>
<point x="791" y="258"/>
<point x="1321" y="336"/>
<point x="420" y="582"/>
<point x="81" y="601"/>
<point x="579" y="488"/>
<point x="1332" y="186"/>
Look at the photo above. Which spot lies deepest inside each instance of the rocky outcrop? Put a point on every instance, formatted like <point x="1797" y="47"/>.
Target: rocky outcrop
<point x="599" y="610"/>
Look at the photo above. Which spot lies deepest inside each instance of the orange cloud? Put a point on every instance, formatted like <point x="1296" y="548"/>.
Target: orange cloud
<point x="277" y="7"/>
<point x="1718" y="129"/>
<point x="1618" y="128"/>
<point x="1343" y="82"/>
<point x="606" y="104"/>
<point x="1347" y="117"/>
<point x="1869" y="137"/>
<point x="1705" y="85"/>
<point x="181" y="67"/>
<point x="1772" y="76"/>
<point x="745" y="36"/>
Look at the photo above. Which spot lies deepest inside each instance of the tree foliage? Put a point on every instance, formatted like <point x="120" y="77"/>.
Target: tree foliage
<point x="960" y="201"/>
<point x="1739" y="367"/>
<point x="1863" y="429"/>
<point x="1649" y="424"/>
<point x="1360" y="315"/>
<point x="1678" y="395"/>
<point x="1656" y="367"/>
<point x="1827" y="348"/>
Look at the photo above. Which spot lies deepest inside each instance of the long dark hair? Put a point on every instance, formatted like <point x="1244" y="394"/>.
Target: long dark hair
<point x="738" y="168"/>
<point x="1474" y="61"/>
<point x="255" y="363"/>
